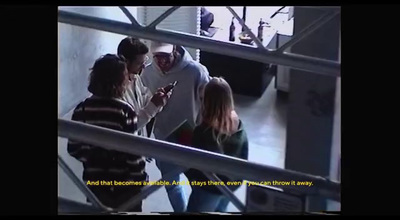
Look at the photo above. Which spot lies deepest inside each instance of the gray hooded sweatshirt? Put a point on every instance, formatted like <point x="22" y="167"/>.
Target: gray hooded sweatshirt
<point x="184" y="103"/>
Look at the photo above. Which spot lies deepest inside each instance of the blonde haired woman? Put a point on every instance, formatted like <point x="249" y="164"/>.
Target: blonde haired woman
<point x="220" y="131"/>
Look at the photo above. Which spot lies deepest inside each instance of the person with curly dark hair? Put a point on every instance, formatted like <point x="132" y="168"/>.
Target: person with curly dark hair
<point x="103" y="168"/>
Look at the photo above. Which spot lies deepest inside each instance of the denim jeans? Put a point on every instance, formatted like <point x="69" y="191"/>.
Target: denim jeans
<point x="223" y="204"/>
<point x="176" y="194"/>
<point x="201" y="200"/>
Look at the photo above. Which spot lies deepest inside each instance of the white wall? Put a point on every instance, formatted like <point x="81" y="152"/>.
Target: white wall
<point x="78" y="48"/>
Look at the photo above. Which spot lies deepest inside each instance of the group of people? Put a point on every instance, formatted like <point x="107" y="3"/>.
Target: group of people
<point x="129" y="93"/>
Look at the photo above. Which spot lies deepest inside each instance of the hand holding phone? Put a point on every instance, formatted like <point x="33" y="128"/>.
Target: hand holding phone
<point x="162" y="94"/>
<point x="168" y="88"/>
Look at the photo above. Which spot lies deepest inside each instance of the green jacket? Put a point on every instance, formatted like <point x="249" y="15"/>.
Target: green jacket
<point x="236" y="145"/>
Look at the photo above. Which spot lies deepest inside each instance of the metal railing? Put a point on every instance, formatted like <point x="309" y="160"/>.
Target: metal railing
<point x="194" y="158"/>
<point x="81" y="186"/>
<point x="260" y="54"/>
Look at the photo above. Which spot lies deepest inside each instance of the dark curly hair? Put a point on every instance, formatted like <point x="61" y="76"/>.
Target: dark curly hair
<point x="108" y="77"/>
<point x="131" y="47"/>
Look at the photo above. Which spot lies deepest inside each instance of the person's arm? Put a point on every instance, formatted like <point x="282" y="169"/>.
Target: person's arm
<point x="203" y="80"/>
<point x="151" y="109"/>
<point x="146" y="114"/>
<point x="147" y="94"/>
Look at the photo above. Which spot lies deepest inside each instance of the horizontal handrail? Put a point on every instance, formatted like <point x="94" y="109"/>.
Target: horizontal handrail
<point x="194" y="158"/>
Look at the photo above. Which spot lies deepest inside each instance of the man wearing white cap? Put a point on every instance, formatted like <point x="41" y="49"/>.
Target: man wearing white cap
<point x="174" y="63"/>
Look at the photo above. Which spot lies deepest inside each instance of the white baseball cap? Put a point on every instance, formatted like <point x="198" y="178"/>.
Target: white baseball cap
<point x="158" y="47"/>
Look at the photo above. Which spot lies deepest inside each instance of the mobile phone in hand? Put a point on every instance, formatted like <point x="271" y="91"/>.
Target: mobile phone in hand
<point x="170" y="87"/>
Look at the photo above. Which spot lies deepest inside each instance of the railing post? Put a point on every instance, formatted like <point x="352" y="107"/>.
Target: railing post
<point x="82" y="187"/>
<point x="226" y="191"/>
<point x="130" y="16"/>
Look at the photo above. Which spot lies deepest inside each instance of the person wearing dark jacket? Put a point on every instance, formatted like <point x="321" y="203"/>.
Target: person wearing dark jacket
<point x="221" y="131"/>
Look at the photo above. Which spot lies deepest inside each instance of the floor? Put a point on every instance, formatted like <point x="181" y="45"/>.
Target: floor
<point x="265" y="122"/>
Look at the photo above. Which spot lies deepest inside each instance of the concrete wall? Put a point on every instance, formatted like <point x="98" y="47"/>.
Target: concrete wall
<point x="311" y="103"/>
<point x="78" y="49"/>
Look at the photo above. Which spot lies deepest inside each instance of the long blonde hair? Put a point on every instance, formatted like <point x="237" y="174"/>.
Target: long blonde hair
<point x="217" y="107"/>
